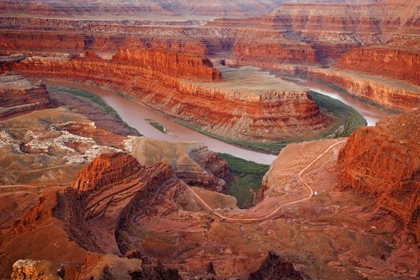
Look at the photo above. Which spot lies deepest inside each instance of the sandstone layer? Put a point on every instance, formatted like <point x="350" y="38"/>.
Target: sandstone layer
<point x="389" y="93"/>
<point x="134" y="8"/>
<point x="384" y="162"/>
<point x="242" y="104"/>
<point x="18" y="95"/>
<point x="392" y="63"/>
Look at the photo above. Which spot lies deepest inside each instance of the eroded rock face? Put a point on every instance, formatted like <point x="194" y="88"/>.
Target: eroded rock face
<point x="393" y="63"/>
<point x="116" y="185"/>
<point x="191" y="162"/>
<point x="18" y="95"/>
<point x="92" y="8"/>
<point x="238" y="106"/>
<point x="79" y="226"/>
<point x="384" y="162"/>
<point x="43" y="146"/>
<point x="391" y="94"/>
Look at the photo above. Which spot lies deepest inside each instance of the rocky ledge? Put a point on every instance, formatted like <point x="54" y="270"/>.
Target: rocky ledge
<point x="384" y="162"/>
<point x="244" y="103"/>
<point x="18" y="95"/>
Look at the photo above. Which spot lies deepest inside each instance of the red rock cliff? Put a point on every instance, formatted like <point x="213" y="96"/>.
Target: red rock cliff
<point x="115" y="185"/>
<point x="392" y="63"/>
<point x="190" y="88"/>
<point x="391" y="94"/>
<point x="15" y="90"/>
<point x="18" y="95"/>
<point x="174" y="64"/>
<point x="384" y="162"/>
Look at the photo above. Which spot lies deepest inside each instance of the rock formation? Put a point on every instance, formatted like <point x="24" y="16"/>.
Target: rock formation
<point x="44" y="146"/>
<point x="138" y="206"/>
<point x="116" y="185"/>
<point x="193" y="163"/>
<point x="387" y="62"/>
<point x="18" y="95"/>
<point x="242" y="104"/>
<point x="384" y="162"/>
<point x="398" y="95"/>
<point x="133" y="7"/>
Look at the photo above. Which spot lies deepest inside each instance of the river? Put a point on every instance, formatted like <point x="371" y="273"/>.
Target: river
<point x="136" y="115"/>
<point x="370" y="113"/>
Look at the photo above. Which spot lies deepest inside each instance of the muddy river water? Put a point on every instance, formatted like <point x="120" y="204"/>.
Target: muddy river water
<point x="136" y="115"/>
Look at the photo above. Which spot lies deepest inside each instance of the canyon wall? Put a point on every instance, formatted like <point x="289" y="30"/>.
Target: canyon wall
<point x="191" y="89"/>
<point x="18" y="95"/>
<point x="384" y="162"/>
<point x="115" y="185"/>
<point x="392" y="63"/>
<point x="391" y="94"/>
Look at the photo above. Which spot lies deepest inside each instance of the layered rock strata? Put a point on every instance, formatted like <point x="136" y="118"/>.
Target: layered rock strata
<point x="243" y="103"/>
<point x="384" y="162"/>
<point x="134" y="8"/>
<point x="116" y="185"/>
<point x="18" y="95"/>
<point x="393" y="94"/>
<point x="392" y="63"/>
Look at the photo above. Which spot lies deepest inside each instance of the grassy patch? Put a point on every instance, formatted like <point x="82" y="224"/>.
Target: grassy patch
<point x="348" y="119"/>
<point x="85" y="94"/>
<point x="361" y="99"/>
<point x="157" y="125"/>
<point x="264" y="147"/>
<point x="92" y="98"/>
<point x="248" y="178"/>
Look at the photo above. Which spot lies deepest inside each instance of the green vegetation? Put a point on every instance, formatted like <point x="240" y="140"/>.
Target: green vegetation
<point x="248" y="179"/>
<point x="85" y="94"/>
<point x="361" y="99"/>
<point x="157" y="125"/>
<point x="264" y="147"/>
<point x="348" y="119"/>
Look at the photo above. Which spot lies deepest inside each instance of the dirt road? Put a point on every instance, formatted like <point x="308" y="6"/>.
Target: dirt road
<point x="311" y="193"/>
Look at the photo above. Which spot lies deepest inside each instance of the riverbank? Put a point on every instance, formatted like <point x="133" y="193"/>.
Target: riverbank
<point x="95" y="101"/>
<point x="346" y="120"/>
<point x="136" y="115"/>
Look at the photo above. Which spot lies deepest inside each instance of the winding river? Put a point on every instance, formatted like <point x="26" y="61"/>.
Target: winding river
<point x="370" y="113"/>
<point x="136" y="115"/>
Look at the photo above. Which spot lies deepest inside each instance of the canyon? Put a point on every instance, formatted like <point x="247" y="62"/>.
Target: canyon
<point x="251" y="111"/>
<point x="85" y="196"/>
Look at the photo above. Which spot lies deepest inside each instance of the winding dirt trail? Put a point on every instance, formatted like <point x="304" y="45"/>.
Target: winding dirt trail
<point x="311" y="193"/>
